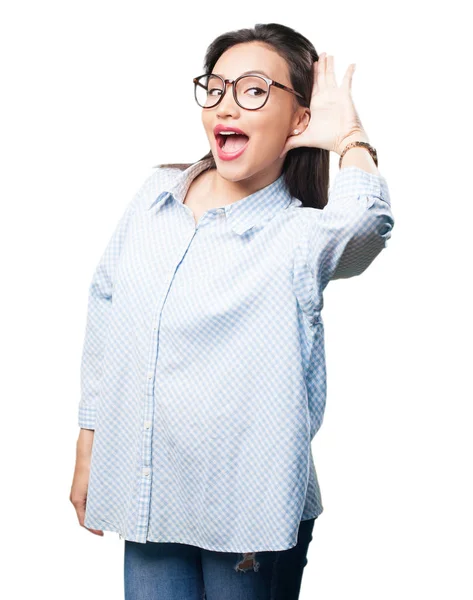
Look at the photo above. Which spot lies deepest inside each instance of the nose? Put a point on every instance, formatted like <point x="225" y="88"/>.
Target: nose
<point x="228" y="101"/>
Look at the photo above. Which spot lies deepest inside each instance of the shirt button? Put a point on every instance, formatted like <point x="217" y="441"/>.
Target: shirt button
<point x="146" y="471"/>
<point x="150" y="375"/>
<point x="147" y="424"/>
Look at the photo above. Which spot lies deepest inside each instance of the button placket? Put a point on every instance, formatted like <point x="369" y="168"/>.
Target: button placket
<point x="142" y="524"/>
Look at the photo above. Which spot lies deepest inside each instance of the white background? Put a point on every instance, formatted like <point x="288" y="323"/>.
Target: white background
<point x="85" y="114"/>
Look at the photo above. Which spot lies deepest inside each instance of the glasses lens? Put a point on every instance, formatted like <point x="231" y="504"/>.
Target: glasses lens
<point x="251" y="91"/>
<point x="208" y="90"/>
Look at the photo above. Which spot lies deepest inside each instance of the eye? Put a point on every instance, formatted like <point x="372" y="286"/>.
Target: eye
<point x="209" y="92"/>
<point x="258" y="89"/>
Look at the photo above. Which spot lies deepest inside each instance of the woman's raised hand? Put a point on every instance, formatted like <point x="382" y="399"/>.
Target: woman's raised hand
<point x="333" y="116"/>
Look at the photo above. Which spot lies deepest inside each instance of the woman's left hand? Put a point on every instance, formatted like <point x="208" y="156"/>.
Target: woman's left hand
<point x="333" y="116"/>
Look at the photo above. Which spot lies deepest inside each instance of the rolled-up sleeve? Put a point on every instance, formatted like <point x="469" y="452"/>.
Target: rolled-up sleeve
<point x="99" y="306"/>
<point x="351" y="230"/>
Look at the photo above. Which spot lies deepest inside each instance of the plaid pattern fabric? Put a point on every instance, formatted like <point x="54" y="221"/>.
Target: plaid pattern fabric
<point x="203" y="368"/>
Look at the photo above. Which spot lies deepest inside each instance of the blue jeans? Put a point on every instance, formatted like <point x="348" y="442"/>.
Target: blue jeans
<point x="172" y="571"/>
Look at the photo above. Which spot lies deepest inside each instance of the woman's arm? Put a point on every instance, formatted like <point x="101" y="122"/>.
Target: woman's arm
<point x="98" y="313"/>
<point x="351" y="230"/>
<point x="80" y="482"/>
<point x="358" y="156"/>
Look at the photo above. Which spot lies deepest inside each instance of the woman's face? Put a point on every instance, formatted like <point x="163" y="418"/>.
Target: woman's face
<point x="268" y="127"/>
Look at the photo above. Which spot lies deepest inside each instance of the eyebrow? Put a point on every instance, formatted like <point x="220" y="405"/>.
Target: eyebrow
<point x="248" y="73"/>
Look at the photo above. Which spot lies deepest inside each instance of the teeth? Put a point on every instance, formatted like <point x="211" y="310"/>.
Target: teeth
<point x="227" y="132"/>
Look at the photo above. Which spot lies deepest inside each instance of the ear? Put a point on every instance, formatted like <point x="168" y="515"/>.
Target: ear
<point x="303" y="120"/>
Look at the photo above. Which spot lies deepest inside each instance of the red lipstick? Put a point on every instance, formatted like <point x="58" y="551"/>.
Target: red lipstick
<point x="220" y="142"/>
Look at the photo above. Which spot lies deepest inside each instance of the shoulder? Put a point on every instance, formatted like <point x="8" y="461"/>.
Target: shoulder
<point x="302" y="218"/>
<point x="155" y="182"/>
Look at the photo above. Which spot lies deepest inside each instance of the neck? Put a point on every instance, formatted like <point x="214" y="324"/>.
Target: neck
<point x="227" y="191"/>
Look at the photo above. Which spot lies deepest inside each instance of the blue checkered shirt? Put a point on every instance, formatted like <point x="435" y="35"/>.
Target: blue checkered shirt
<point x="203" y="368"/>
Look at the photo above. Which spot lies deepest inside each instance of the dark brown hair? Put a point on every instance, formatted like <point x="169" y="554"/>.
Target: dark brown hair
<point x="306" y="170"/>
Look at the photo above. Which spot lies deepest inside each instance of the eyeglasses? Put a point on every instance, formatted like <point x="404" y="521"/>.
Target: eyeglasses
<point x="251" y="92"/>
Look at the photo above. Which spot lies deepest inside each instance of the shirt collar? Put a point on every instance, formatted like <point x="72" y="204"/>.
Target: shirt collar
<point x="255" y="209"/>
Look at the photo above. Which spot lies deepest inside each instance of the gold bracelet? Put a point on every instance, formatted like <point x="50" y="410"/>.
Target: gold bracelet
<point x="368" y="147"/>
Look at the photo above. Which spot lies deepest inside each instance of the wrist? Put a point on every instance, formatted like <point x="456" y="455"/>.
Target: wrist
<point x="359" y="136"/>
<point x="84" y="444"/>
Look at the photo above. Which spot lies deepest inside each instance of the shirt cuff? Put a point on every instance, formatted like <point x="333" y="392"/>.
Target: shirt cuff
<point x="87" y="416"/>
<point x="351" y="181"/>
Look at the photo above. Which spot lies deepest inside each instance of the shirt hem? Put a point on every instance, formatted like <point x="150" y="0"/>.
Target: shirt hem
<point x="187" y="542"/>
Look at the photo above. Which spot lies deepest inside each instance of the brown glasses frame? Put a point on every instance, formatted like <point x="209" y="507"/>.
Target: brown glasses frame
<point x="269" y="81"/>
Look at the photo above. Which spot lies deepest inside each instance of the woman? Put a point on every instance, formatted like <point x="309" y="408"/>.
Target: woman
<point x="203" y="370"/>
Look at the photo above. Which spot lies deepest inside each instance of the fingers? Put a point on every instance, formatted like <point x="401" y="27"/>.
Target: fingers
<point x="315" y="87"/>
<point x="325" y="73"/>
<point x="81" y="516"/>
<point x="329" y="72"/>
<point x="79" y="505"/>
<point x="348" y="77"/>
<point x="321" y="70"/>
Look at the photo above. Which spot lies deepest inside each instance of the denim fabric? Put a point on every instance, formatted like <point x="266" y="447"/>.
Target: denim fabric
<point x="171" y="571"/>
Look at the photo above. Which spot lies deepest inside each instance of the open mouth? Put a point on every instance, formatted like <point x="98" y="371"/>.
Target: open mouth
<point x="231" y="143"/>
